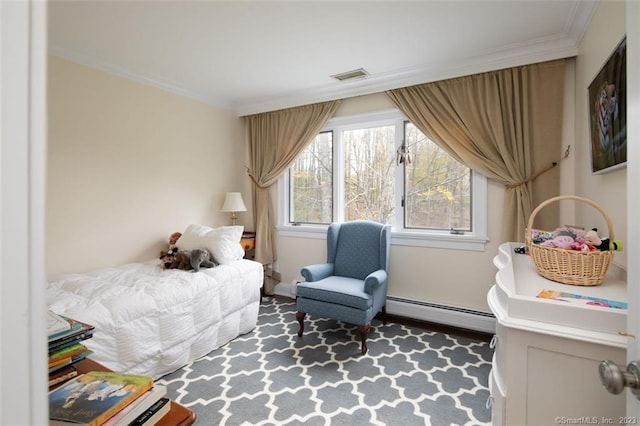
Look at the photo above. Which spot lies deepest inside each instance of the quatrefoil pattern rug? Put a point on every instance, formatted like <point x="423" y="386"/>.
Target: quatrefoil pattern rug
<point x="270" y="376"/>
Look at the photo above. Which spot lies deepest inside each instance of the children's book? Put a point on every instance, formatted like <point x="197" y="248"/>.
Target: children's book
<point x="581" y="299"/>
<point x="56" y="324"/>
<point x="92" y="398"/>
<point x="153" y="415"/>
<point x="138" y="407"/>
<point x="75" y="340"/>
<point x="75" y="349"/>
<point x="61" y="375"/>
<point x="79" y="331"/>
<point x="74" y="327"/>
<point x="68" y="361"/>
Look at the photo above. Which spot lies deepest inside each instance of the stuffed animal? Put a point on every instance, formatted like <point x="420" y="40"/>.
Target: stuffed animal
<point x="579" y="245"/>
<point x="167" y="257"/>
<point x="182" y="261"/>
<point x="575" y="233"/>
<point x="173" y="241"/>
<point x="593" y="240"/>
<point x="539" y="236"/>
<point x="561" y="241"/>
<point x="201" y="258"/>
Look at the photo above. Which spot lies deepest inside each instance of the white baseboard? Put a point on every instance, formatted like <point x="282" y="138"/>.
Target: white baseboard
<point x="286" y="290"/>
<point x="442" y="314"/>
<point x="424" y="311"/>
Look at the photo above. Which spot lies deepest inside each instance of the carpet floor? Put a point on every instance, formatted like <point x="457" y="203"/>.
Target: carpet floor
<point x="410" y="376"/>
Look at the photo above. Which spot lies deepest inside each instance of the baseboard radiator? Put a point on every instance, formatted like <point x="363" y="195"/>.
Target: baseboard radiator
<point x="424" y="311"/>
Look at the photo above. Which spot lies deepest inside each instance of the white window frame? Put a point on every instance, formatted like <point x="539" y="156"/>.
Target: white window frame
<point x="474" y="240"/>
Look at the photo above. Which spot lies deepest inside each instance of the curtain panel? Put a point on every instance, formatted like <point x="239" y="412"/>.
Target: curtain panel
<point x="275" y="139"/>
<point x="505" y="124"/>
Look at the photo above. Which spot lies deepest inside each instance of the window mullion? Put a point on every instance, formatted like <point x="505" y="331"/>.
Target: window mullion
<point x="399" y="177"/>
<point x="338" y="176"/>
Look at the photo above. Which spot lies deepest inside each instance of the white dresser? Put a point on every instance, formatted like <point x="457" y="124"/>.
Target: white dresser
<point x="545" y="364"/>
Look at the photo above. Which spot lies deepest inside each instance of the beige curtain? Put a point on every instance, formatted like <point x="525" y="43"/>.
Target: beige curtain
<point x="275" y="139"/>
<point x="504" y="124"/>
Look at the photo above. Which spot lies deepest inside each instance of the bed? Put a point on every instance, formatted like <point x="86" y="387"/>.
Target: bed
<point x="152" y="321"/>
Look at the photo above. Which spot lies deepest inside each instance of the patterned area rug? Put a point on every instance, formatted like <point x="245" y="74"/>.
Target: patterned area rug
<point x="410" y="376"/>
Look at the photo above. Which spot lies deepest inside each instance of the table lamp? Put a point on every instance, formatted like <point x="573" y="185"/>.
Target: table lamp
<point x="233" y="203"/>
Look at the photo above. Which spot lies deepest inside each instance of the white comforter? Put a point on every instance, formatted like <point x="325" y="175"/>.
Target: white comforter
<point x="153" y="321"/>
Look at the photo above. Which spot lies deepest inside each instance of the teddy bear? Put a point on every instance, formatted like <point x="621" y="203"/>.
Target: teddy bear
<point x="181" y="260"/>
<point x="167" y="257"/>
<point x="201" y="258"/>
<point x="173" y="241"/>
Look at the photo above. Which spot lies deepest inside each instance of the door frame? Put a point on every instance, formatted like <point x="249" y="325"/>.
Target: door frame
<point x="633" y="193"/>
<point x="23" y="49"/>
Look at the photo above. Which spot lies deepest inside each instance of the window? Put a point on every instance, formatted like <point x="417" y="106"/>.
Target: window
<point x="311" y="190"/>
<point x="368" y="166"/>
<point x="352" y="171"/>
<point x="437" y="188"/>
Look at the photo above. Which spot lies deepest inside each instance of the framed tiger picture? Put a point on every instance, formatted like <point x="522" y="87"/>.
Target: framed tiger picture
<point x="608" y="113"/>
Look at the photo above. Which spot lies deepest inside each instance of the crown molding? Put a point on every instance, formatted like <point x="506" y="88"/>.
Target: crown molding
<point x="512" y="56"/>
<point x="94" y="62"/>
<point x="515" y="55"/>
<point x="563" y="45"/>
<point x="581" y="14"/>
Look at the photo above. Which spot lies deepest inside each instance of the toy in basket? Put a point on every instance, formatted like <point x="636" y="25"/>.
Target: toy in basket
<point x="567" y="266"/>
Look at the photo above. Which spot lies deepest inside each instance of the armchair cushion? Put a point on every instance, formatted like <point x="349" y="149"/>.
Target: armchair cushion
<point x="337" y="290"/>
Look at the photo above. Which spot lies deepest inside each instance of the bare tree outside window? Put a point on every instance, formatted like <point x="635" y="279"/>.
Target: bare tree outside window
<point x="437" y="187"/>
<point x="311" y="183"/>
<point x="435" y="192"/>
<point x="369" y="164"/>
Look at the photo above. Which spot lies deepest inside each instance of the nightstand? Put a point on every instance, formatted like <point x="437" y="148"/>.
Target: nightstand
<point x="248" y="242"/>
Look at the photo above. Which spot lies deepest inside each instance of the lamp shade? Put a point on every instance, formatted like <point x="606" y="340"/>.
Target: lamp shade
<point x="233" y="203"/>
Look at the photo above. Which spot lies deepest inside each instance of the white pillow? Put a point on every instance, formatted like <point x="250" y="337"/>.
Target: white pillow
<point x="223" y="242"/>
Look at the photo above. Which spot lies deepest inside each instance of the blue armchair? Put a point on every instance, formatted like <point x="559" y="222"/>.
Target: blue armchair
<point x="352" y="285"/>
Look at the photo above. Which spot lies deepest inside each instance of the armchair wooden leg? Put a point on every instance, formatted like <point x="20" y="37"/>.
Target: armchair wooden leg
<point x="364" y="331"/>
<point x="300" y="317"/>
<point x="384" y="314"/>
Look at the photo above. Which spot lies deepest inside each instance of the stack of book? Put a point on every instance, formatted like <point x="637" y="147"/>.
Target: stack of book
<point x="105" y="398"/>
<point x="65" y="346"/>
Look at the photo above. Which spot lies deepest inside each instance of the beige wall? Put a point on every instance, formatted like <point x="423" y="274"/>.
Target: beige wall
<point x="609" y="190"/>
<point x="128" y="164"/>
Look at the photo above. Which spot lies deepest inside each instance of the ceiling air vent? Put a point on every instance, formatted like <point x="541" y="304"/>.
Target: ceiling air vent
<point x="350" y="75"/>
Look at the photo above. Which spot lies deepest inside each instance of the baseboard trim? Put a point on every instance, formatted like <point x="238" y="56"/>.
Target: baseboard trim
<point x="424" y="311"/>
<point x="286" y="290"/>
<point x="442" y="314"/>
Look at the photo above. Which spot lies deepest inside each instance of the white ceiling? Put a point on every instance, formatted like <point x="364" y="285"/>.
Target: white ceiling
<point x="256" y="56"/>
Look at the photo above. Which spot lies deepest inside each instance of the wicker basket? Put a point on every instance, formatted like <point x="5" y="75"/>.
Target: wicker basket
<point x="570" y="266"/>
